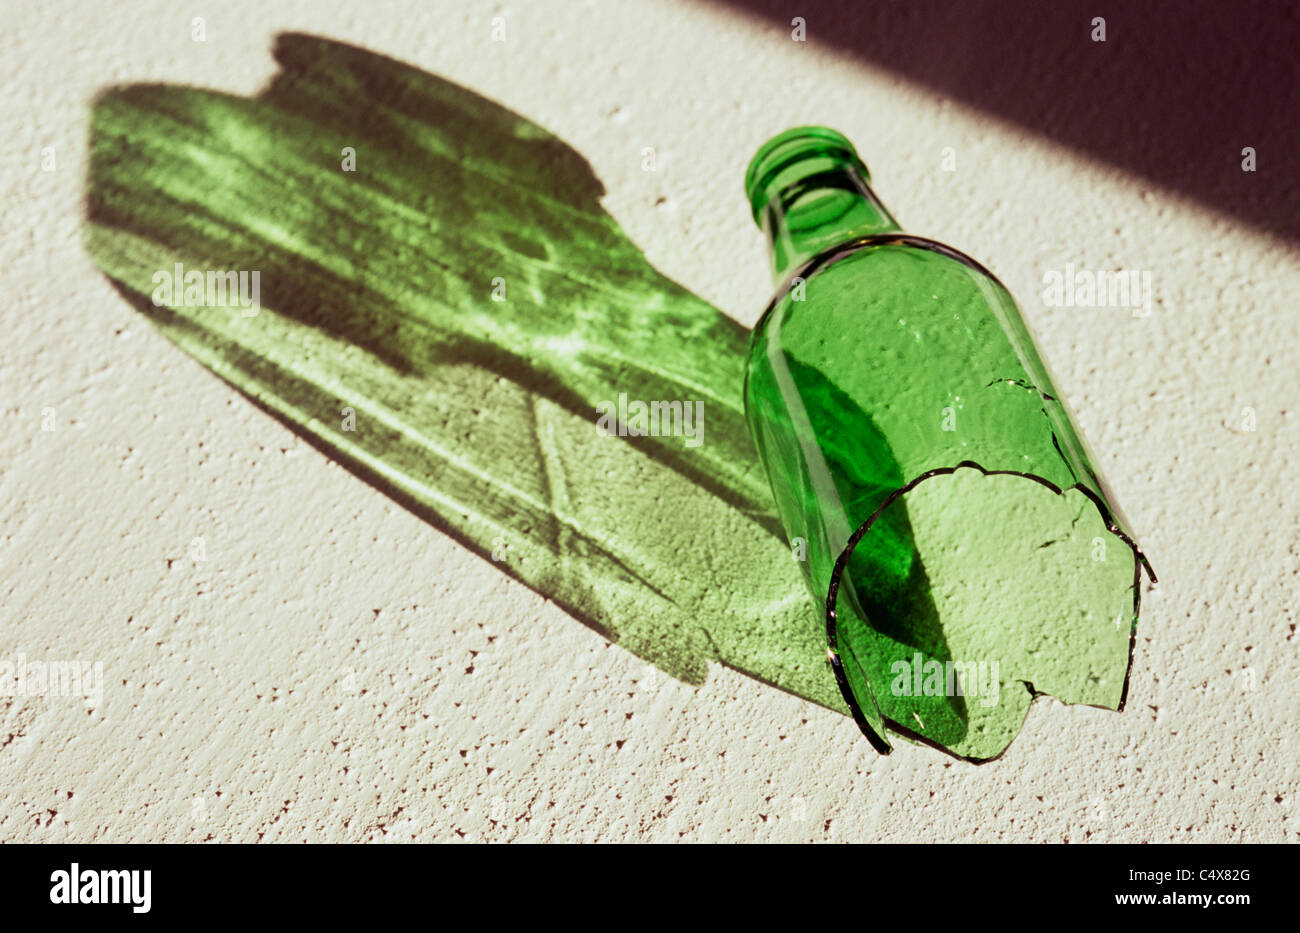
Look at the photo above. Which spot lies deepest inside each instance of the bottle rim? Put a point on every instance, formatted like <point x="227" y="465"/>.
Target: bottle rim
<point x="792" y="146"/>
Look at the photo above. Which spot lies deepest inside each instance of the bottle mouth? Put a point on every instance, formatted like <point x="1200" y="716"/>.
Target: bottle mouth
<point x="793" y="155"/>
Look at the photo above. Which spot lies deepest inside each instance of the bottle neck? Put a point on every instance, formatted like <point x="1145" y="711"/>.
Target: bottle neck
<point x="809" y="192"/>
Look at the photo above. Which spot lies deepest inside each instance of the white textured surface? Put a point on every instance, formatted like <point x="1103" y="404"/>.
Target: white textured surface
<point x="337" y="670"/>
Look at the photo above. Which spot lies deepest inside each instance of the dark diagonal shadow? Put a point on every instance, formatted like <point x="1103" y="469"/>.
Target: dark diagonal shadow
<point x="1174" y="94"/>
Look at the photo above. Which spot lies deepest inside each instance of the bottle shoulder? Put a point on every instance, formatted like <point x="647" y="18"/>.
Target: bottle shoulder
<point x="843" y="255"/>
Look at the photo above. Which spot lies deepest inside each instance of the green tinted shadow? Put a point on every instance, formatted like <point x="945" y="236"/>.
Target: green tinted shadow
<point x="445" y="321"/>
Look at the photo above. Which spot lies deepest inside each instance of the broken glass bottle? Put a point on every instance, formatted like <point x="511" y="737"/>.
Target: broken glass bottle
<point x="950" y="521"/>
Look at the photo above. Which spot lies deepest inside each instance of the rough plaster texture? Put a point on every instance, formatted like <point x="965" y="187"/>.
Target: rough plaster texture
<point x="337" y="670"/>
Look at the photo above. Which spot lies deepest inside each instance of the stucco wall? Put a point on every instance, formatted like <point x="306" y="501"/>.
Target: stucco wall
<point x="335" y="669"/>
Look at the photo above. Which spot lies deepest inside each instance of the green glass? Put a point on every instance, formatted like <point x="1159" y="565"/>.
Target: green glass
<point x="948" y="517"/>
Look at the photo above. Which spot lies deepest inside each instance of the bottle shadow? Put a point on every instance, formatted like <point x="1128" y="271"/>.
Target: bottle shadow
<point x="442" y="306"/>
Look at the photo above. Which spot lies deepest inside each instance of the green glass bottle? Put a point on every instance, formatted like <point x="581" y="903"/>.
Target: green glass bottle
<point x="950" y="521"/>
